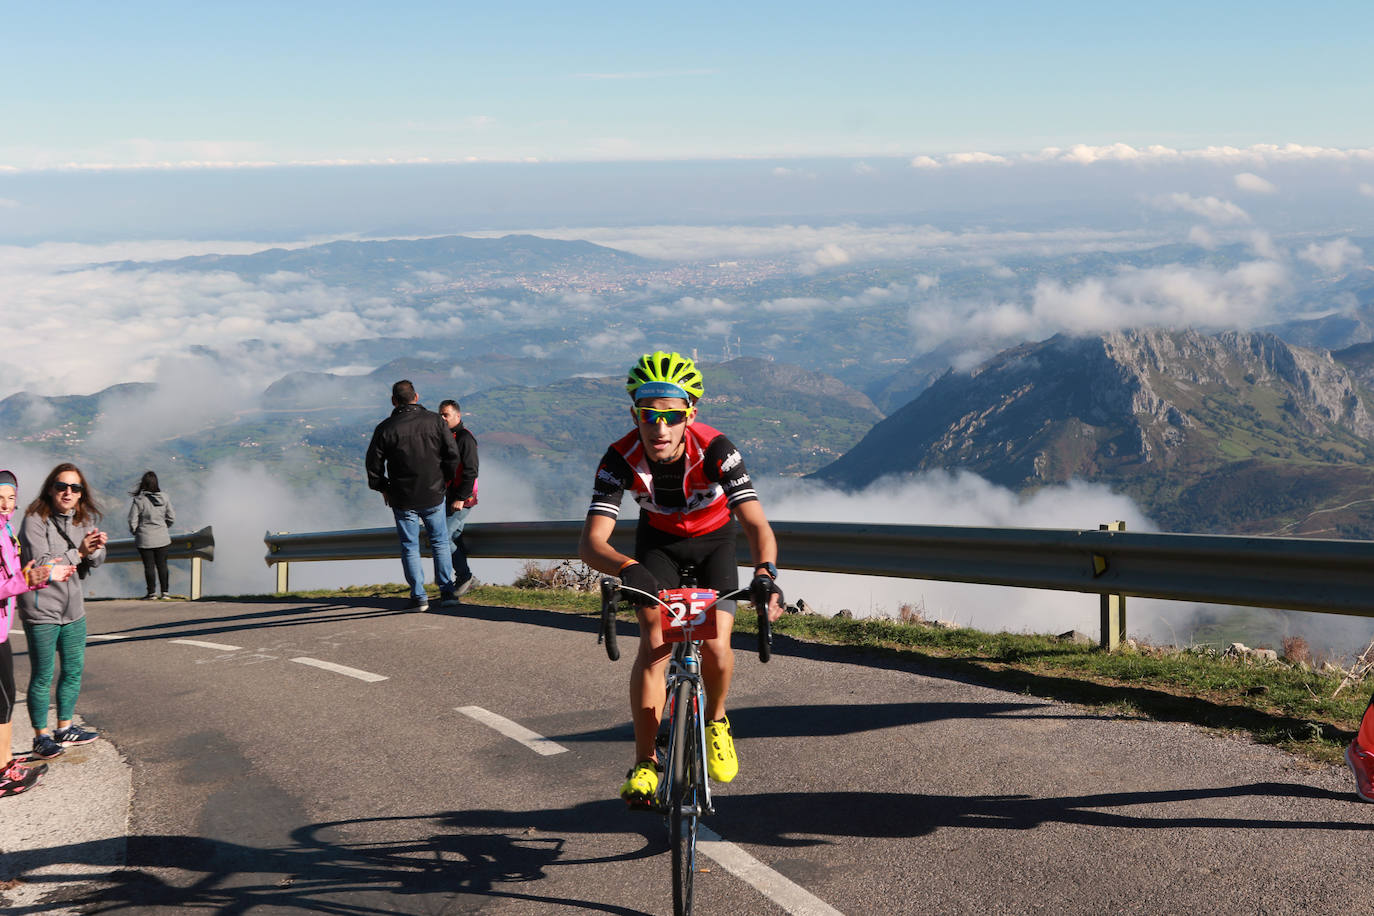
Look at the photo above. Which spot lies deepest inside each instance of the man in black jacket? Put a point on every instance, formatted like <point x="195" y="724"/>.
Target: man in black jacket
<point x="462" y="492"/>
<point x="410" y="460"/>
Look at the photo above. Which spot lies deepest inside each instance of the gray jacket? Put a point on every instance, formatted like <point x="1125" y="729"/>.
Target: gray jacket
<point x="41" y="540"/>
<point x="151" y="519"/>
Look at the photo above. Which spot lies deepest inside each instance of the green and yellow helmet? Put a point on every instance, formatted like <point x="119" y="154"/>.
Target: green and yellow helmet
<point x="664" y="375"/>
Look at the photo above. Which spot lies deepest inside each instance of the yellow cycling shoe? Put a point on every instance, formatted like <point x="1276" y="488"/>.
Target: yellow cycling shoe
<point x="641" y="782"/>
<point x="721" y="761"/>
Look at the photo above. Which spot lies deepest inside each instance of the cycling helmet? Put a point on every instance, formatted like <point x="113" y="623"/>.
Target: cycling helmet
<point x="664" y="375"/>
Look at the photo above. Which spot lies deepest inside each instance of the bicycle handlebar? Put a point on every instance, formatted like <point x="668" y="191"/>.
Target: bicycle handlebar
<point x="610" y="597"/>
<point x="757" y="591"/>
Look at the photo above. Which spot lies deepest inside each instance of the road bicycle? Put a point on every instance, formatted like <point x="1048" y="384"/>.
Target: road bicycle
<point x="688" y="616"/>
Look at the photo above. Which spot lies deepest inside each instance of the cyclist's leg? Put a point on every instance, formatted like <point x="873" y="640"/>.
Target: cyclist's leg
<point x="647" y="694"/>
<point x="716" y="563"/>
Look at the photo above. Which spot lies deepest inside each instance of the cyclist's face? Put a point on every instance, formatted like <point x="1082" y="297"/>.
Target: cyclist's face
<point x="661" y="441"/>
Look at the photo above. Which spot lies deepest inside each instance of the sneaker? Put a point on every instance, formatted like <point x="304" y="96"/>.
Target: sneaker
<point x="641" y="782"/>
<point x="73" y="734"/>
<point x="448" y="599"/>
<point x="165" y="597"/>
<point x="1361" y="763"/>
<point x="45" y="747"/>
<point x="419" y="605"/>
<point x="17" y="778"/>
<point x="465" y="586"/>
<point x="150" y="597"/>
<point x="721" y="761"/>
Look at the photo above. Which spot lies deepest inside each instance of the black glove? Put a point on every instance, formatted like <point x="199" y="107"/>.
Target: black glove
<point x="637" y="575"/>
<point x="762" y="586"/>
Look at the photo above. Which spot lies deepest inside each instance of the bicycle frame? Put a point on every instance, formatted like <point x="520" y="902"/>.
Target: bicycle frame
<point x="685" y="668"/>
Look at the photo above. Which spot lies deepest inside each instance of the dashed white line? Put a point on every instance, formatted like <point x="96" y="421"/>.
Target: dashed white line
<point x="532" y="740"/>
<point x="107" y="637"/>
<point x="341" y="669"/>
<point x="791" y="897"/>
<point x="207" y="645"/>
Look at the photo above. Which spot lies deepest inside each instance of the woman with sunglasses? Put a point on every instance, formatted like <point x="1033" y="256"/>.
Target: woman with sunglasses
<point x="59" y="530"/>
<point x="689" y="481"/>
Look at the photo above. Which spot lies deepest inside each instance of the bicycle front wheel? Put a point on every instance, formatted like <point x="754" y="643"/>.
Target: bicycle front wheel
<point x="684" y="796"/>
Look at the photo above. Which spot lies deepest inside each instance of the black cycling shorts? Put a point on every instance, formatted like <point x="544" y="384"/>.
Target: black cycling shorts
<point x="712" y="555"/>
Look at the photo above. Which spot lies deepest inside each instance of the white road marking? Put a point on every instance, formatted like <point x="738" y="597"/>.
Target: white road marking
<point x="791" y="897"/>
<point x="532" y="740"/>
<point x="207" y="645"/>
<point x="107" y="637"/>
<point x="341" y="669"/>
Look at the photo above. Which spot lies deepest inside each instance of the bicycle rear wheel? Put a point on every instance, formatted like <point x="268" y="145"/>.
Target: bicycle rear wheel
<point x="684" y="797"/>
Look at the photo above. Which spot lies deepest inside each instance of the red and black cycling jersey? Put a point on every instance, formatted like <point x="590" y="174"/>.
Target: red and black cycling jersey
<point x="687" y="497"/>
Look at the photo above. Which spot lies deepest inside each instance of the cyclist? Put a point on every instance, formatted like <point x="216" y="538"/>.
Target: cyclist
<point x="688" y="480"/>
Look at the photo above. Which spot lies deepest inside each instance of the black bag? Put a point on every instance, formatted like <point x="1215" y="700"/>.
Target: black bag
<point x="83" y="568"/>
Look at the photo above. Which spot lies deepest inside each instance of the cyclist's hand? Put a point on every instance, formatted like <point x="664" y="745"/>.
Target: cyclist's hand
<point x="769" y="585"/>
<point x="637" y="575"/>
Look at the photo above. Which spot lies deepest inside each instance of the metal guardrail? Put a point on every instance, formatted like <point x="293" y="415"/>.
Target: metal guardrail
<point x="198" y="547"/>
<point x="1300" y="574"/>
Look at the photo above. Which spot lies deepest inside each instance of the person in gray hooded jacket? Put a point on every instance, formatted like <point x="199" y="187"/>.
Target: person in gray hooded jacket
<point x="150" y="522"/>
<point x="59" y="530"/>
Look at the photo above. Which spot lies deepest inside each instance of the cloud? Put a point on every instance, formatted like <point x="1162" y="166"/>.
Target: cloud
<point x="1199" y="236"/>
<point x="7" y="204"/>
<point x="1213" y="209"/>
<point x="924" y="162"/>
<point x="863" y="168"/>
<point x="961" y="499"/>
<point x="1263" y="245"/>
<point x="975" y="158"/>
<point x="1367" y="189"/>
<point x="1168" y="296"/>
<point x="143" y="324"/>
<point x="831" y="255"/>
<point x="1249" y="181"/>
<point x="1332" y="256"/>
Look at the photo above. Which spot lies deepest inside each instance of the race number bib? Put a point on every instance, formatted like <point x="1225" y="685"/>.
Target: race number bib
<point x="691" y="614"/>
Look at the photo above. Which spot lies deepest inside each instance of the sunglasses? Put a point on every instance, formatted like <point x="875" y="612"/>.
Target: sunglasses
<point x="62" y="487"/>
<point x="651" y="416"/>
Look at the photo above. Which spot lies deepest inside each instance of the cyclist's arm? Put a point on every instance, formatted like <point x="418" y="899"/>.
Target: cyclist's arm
<point x="595" y="548"/>
<point x="763" y="546"/>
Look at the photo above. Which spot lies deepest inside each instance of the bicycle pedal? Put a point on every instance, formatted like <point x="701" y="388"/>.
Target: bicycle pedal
<point x="641" y="804"/>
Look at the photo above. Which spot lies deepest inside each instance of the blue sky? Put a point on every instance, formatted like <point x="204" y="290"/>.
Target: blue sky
<point x="134" y="84"/>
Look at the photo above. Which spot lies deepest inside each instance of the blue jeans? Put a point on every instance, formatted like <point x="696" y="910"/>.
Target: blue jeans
<point x="461" y="571"/>
<point x="408" y="522"/>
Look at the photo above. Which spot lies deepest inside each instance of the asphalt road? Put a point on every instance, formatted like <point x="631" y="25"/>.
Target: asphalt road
<point x="263" y="782"/>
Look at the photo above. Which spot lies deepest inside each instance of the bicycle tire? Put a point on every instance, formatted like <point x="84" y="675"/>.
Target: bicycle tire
<point x="684" y="797"/>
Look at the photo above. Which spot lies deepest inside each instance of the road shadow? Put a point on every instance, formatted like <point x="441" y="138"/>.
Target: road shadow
<point x="445" y="856"/>
<point x="429" y="863"/>
<point x="792" y="819"/>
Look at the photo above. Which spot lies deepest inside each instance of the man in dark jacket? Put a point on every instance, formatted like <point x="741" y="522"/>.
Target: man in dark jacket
<point x="462" y="491"/>
<point x="410" y="461"/>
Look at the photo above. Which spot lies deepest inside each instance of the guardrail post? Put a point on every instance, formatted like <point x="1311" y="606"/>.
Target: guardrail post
<point x="283" y="578"/>
<point x="1113" y="607"/>
<point x="196" y="580"/>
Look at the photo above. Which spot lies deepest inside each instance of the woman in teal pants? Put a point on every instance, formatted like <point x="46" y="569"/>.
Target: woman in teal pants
<point x="59" y="530"/>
